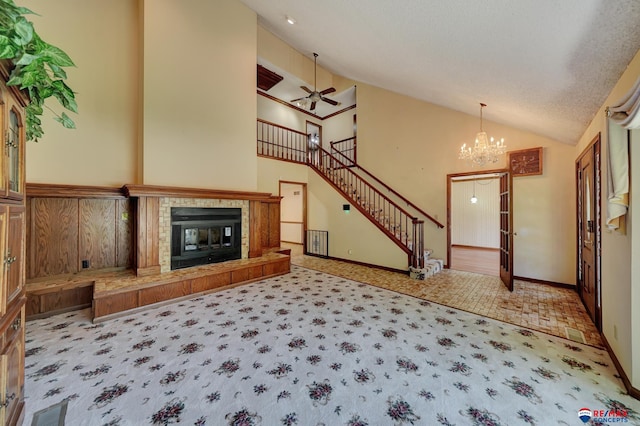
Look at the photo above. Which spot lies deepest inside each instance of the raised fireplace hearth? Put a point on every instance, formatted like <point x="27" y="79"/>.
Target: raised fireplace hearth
<point x="202" y="235"/>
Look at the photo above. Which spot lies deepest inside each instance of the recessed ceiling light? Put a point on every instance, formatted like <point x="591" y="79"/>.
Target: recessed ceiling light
<point x="290" y="20"/>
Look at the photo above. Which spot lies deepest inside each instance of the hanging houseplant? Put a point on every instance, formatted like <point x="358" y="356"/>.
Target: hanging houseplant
<point x="38" y="68"/>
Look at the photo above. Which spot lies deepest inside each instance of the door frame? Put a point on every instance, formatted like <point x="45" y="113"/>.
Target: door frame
<point x="594" y="147"/>
<point x="304" y="208"/>
<point x="449" y="180"/>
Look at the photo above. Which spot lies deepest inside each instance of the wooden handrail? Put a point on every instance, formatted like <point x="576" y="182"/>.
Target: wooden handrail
<point x="342" y="140"/>
<point x="281" y="127"/>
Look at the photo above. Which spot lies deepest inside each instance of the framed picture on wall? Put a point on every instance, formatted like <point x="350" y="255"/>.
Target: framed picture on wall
<point x="525" y="162"/>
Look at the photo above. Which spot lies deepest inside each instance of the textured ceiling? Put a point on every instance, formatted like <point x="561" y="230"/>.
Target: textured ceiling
<point x="544" y="66"/>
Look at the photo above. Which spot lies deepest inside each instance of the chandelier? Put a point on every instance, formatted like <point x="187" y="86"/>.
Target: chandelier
<point x="484" y="150"/>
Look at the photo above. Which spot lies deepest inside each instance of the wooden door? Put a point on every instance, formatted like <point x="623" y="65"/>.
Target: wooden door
<point x="14" y="260"/>
<point x="506" y="230"/>
<point x="587" y="239"/>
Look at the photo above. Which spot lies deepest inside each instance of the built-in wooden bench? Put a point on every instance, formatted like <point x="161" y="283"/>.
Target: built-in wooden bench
<point x="52" y="295"/>
<point x="114" y="291"/>
<point x="113" y="296"/>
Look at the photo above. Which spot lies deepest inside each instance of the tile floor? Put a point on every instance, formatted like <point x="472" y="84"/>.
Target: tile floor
<point x="537" y="306"/>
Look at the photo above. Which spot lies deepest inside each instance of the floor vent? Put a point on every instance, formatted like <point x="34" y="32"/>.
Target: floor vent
<point x="51" y="416"/>
<point x="575" y="335"/>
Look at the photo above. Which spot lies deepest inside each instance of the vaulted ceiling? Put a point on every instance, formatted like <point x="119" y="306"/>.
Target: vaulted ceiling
<point x="544" y="66"/>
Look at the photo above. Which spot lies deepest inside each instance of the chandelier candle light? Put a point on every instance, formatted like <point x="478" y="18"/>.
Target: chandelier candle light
<point x="484" y="150"/>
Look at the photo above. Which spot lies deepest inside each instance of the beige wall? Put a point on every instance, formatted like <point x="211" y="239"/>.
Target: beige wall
<point x="195" y="125"/>
<point x="101" y="38"/>
<point x="620" y="280"/>
<point x="413" y="145"/>
<point x="199" y="94"/>
<point x="476" y="224"/>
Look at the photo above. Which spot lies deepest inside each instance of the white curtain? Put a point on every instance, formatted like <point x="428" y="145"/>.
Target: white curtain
<point x="624" y="115"/>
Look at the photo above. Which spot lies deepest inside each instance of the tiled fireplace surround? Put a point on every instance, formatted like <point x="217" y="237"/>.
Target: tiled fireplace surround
<point x="164" y="226"/>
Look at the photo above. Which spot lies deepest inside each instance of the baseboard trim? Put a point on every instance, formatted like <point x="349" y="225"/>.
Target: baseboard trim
<point x="632" y="391"/>
<point x="355" y="262"/>
<point x="551" y="283"/>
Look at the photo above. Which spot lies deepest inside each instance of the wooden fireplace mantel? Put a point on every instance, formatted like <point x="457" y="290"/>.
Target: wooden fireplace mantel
<point x="178" y="192"/>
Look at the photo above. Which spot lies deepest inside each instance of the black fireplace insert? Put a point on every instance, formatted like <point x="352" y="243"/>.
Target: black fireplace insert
<point x="201" y="235"/>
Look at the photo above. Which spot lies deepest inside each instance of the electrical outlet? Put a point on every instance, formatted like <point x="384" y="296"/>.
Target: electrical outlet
<point x="615" y="332"/>
<point x="350" y="251"/>
<point x="85" y="264"/>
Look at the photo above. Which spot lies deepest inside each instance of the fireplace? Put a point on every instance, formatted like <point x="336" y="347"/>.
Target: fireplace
<point x="201" y="235"/>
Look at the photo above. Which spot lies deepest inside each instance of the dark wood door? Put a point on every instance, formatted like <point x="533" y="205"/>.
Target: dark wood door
<point x="506" y="230"/>
<point x="587" y="244"/>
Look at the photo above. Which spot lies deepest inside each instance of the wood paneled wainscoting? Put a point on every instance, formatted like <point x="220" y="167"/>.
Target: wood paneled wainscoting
<point x="96" y="246"/>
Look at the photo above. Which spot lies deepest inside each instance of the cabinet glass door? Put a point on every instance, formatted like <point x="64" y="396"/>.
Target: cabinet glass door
<point x="14" y="149"/>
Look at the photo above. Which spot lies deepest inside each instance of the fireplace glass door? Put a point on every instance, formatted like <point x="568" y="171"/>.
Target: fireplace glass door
<point x="206" y="238"/>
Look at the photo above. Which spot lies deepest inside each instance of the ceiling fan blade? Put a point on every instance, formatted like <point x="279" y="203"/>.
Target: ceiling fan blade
<point x="306" y="89"/>
<point x="329" y="101"/>
<point x="313" y="106"/>
<point x="299" y="99"/>
<point x="329" y="90"/>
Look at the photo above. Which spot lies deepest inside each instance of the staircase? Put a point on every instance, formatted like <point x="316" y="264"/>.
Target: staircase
<point x="403" y="228"/>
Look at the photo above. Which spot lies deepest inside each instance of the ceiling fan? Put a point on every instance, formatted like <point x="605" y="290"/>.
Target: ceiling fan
<point x="315" y="96"/>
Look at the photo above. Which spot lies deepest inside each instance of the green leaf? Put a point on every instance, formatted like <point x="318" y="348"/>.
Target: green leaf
<point x="29" y="78"/>
<point x="65" y="95"/>
<point x="7" y="52"/>
<point x="24" y="29"/>
<point x="25" y="11"/>
<point x="57" y="71"/>
<point x="15" y="80"/>
<point x="26" y="59"/>
<point x="65" y="121"/>
<point x="57" y="56"/>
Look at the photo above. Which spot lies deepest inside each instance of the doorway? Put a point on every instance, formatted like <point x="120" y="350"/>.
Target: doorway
<point x="475" y="227"/>
<point x="589" y="230"/>
<point x="314" y="132"/>
<point x="293" y="214"/>
<point x="479" y="219"/>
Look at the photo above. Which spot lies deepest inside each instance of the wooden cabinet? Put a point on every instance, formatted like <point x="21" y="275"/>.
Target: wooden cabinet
<point x="12" y="252"/>
<point x="270" y="223"/>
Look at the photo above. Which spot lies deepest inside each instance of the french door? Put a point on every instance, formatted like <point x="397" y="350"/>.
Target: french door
<point x="506" y="230"/>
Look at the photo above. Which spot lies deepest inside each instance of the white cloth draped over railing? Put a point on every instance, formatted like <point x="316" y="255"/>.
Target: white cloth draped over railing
<point x="624" y="115"/>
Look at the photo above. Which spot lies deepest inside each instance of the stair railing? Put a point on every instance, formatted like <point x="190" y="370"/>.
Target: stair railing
<point x="400" y="196"/>
<point x="398" y="224"/>
<point x="407" y="231"/>
<point x="345" y="149"/>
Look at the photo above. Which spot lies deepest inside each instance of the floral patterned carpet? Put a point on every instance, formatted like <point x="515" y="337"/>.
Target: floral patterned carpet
<point x="310" y="348"/>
